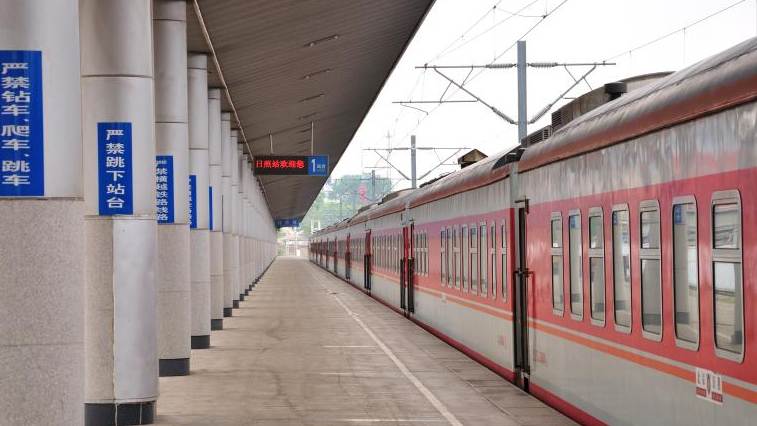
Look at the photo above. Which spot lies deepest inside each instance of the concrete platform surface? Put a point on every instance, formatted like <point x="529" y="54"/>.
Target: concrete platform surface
<point x="309" y="349"/>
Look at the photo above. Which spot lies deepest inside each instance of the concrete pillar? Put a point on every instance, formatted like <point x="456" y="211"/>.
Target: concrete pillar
<point x="236" y="200"/>
<point x="216" y="216"/>
<point x="230" y="277"/>
<point x="41" y="216"/>
<point x="199" y="235"/>
<point x="120" y="229"/>
<point x="244" y="249"/>
<point x="172" y="174"/>
<point x="254" y="253"/>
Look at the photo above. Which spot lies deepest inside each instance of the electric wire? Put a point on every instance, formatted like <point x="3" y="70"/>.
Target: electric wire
<point x="684" y="28"/>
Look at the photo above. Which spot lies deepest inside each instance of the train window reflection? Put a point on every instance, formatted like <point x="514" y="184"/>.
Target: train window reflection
<point x="493" y="258"/>
<point x="483" y="255"/>
<point x="651" y="308"/>
<point x="464" y="257"/>
<point x="556" y="233"/>
<point x="596" y="266"/>
<point x="575" y="253"/>
<point x="729" y="332"/>
<point x="595" y="232"/>
<point x="503" y="255"/>
<point x="473" y="258"/>
<point x="728" y="299"/>
<point x="558" y="303"/>
<point x="726" y="227"/>
<point x="685" y="272"/>
<point x="456" y="256"/>
<point x="650" y="230"/>
<point x="649" y="253"/>
<point x="557" y="294"/>
<point x="621" y="259"/>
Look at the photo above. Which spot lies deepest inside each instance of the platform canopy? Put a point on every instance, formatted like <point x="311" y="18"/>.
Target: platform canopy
<point x="286" y="63"/>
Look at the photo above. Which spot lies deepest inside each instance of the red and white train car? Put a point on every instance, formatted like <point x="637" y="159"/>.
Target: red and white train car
<point x="611" y="270"/>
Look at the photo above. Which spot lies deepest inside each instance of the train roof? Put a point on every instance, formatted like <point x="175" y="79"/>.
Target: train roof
<point x="722" y="81"/>
<point x="479" y="174"/>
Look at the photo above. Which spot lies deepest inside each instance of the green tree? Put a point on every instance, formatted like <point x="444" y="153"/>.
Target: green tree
<point x="341" y="198"/>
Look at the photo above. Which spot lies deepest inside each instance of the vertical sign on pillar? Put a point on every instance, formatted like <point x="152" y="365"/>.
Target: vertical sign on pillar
<point x="210" y="207"/>
<point x="114" y="168"/>
<point x="164" y="188"/>
<point x="192" y="201"/>
<point x="21" y="141"/>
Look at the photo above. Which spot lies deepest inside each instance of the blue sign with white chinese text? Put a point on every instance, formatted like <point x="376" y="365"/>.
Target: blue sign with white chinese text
<point x="164" y="188"/>
<point x="287" y="223"/>
<point x="192" y="198"/>
<point x="114" y="168"/>
<point x="210" y="207"/>
<point x="22" y="170"/>
<point x="318" y="165"/>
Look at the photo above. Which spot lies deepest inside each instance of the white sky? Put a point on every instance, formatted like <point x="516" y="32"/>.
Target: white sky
<point x="579" y="31"/>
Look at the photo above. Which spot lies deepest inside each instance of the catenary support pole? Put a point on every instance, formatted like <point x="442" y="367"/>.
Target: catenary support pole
<point x="522" y="92"/>
<point x="199" y="237"/>
<point x="172" y="191"/>
<point x="41" y="216"/>
<point x="118" y="127"/>
<point x="216" y="219"/>
<point x="236" y="199"/>
<point x="413" y="178"/>
<point x="229" y="277"/>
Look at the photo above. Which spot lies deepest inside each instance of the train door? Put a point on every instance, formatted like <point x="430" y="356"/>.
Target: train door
<point x="520" y="297"/>
<point x="347" y="260"/>
<point x="367" y="262"/>
<point x="407" y="296"/>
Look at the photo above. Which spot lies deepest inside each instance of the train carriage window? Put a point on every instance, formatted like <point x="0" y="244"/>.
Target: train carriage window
<point x="685" y="272"/>
<point x="450" y="267"/>
<point x="483" y="255"/>
<point x="473" y="258"/>
<point x="575" y="253"/>
<point x="621" y="266"/>
<point x="727" y="275"/>
<point x="424" y="252"/>
<point x="456" y="256"/>
<point x="442" y="253"/>
<point x="419" y="257"/>
<point x="398" y="254"/>
<point x="503" y="256"/>
<point x="557" y="264"/>
<point x="383" y="251"/>
<point x="651" y="283"/>
<point x="464" y="257"/>
<point x="596" y="266"/>
<point x="380" y="251"/>
<point x="493" y="258"/>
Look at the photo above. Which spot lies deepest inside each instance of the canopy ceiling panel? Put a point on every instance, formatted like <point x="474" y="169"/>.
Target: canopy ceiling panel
<point x="289" y="62"/>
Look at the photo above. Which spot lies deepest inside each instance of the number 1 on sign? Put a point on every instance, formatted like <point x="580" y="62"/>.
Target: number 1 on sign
<point x="312" y="161"/>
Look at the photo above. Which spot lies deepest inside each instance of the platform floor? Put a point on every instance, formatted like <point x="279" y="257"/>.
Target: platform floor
<point x="309" y="349"/>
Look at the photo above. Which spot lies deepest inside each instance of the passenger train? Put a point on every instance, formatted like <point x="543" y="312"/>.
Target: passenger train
<point x="610" y="269"/>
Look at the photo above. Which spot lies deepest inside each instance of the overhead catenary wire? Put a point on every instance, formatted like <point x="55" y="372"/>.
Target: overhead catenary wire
<point x="674" y="32"/>
<point x="470" y="28"/>
<point x="493" y="26"/>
